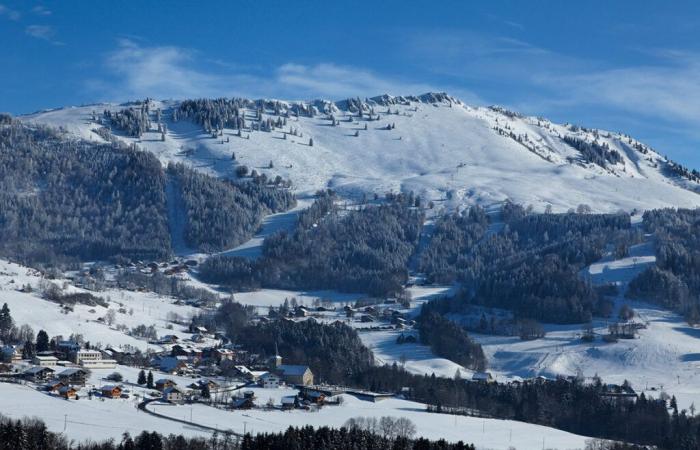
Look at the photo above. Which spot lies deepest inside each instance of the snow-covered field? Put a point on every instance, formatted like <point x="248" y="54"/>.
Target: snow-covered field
<point x="141" y="308"/>
<point x="434" y="149"/>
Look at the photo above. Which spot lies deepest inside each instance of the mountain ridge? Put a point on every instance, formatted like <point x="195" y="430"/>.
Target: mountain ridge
<point x="449" y="153"/>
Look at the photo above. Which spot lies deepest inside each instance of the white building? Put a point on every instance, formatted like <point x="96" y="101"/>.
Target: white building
<point x="87" y="355"/>
<point x="45" y="361"/>
<point x="173" y="394"/>
<point x="270" y="381"/>
<point x="99" y="363"/>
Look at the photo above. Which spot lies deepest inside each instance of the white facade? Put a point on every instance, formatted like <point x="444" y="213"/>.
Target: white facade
<point x="99" y="363"/>
<point x="45" y="361"/>
<point x="270" y="381"/>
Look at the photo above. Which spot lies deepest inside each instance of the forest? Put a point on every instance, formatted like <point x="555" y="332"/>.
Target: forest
<point x="447" y="339"/>
<point x="64" y="200"/>
<point x="674" y="281"/>
<point x="222" y="214"/>
<point x="363" y="250"/>
<point x="568" y="405"/>
<point x="531" y="265"/>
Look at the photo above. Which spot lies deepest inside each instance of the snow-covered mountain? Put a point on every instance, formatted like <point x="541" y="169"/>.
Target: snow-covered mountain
<point x="443" y="150"/>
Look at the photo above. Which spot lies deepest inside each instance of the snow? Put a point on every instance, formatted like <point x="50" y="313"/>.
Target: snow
<point x="485" y="433"/>
<point x="434" y="149"/>
<point x="31" y="309"/>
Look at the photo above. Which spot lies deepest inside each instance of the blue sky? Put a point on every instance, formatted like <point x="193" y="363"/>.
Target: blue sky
<point x="631" y="66"/>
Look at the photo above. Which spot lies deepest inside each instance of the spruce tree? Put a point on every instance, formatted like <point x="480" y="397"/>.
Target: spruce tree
<point x="42" y="341"/>
<point x="149" y="381"/>
<point x="142" y="377"/>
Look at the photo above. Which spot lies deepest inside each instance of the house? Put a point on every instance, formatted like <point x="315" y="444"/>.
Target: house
<point x="188" y="351"/>
<point x="315" y="397"/>
<point x="619" y="394"/>
<point x="366" y="318"/>
<point x="173" y="394"/>
<point x="173" y="364"/>
<point x="245" y="402"/>
<point x="293" y="374"/>
<point x="244" y="372"/>
<point x="483" y="377"/>
<point x="165" y="383"/>
<point x="111" y="391"/>
<point x="203" y="384"/>
<point x="38" y="373"/>
<point x="270" y="381"/>
<point x="223" y="354"/>
<point x="168" y="339"/>
<point x="73" y="375"/>
<point x="68" y="392"/>
<point x="45" y="361"/>
<point x="99" y="364"/>
<point x="301" y="311"/>
<point x="290" y="402"/>
<point x="54" y="385"/>
<point x="82" y="355"/>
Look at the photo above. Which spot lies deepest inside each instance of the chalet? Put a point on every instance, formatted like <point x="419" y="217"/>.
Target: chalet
<point x="189" y="351"/>
<point x="618" y="394"/>
<point x="297" y="375"/>
<point x="73" y="375"/>
<point x="315" y="397"/>
<point x="45" y="361"/>
<point x="366" y="318"/>
<point x="245" y="402"/>
<point x="111" y="391"/>
<point x="270" y="381"/>
<point x="244" y="372"/>
<point x="301" y="311"/>
<point x="38" y="373"/>
<point x="54" y="385"/>
<point x="165" y="383"/>
<point x="68" y="392"/>
<point x="483" y="377"/>
<point x="290" y="402"/>
<point x="168" y="339"/>
<point x="197" y="329"/>
<point x="173" y="364"/>
<point x="173" y="394"/>
<point x="200" y="385"/>
<point x="224" y="354"/>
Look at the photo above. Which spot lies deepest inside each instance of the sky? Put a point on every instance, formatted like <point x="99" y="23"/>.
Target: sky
<point x="629" y="66"/>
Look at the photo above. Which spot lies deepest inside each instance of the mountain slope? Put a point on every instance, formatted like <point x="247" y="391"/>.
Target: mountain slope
<point x="443" y="150"/>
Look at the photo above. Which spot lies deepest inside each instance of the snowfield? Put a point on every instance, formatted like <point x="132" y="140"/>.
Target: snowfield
<point x="445" y="151"/>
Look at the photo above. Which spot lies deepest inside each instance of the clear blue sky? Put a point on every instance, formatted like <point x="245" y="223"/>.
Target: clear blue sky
<point x="631" y="66"/>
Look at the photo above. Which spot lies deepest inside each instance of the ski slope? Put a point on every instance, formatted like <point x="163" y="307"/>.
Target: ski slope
<point x="443" y="150"/>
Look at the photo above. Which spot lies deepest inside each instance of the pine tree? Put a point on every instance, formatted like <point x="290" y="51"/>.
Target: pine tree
<point x="42" y="341"/>
<point x="149" y="381"/>
<point x="6" y="322"/>
<point x="142" y="377"/>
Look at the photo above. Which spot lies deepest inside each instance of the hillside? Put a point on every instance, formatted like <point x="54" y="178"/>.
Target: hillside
<point x="443" y="150"/>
